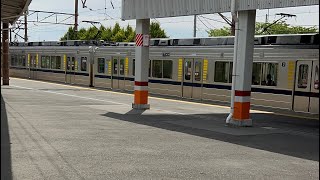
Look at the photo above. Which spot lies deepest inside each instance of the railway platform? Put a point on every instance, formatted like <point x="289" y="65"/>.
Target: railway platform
<point x="57" y="131"/>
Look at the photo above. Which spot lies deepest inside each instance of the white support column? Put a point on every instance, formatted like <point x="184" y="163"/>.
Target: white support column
<point x="241" y="115"/>
<point x="142" y="65"/>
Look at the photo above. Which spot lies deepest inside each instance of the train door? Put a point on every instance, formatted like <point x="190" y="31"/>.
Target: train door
<point x="33" y="66"/>
<point x="70" y="70"/>
<point x="118" y="73"/>
<point x="192" y="80"/>
<point x="302" y="86"/>
<point x="314" y="96"/>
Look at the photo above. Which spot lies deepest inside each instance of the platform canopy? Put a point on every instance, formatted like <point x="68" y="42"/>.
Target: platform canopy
<point x="11" y="10"/>
<point x="147" y="9"/>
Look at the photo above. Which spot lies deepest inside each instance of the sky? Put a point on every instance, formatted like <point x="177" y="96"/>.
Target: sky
<point x="175" y="27"/>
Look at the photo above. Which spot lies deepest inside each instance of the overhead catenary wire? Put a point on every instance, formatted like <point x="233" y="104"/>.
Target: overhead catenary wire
<point x="111" y="8"/>
<point x="208" y="22"/>
<point x="214" y="20"/>
<point x="204" y="24"/>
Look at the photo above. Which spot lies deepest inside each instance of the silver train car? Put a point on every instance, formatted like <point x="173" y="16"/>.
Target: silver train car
<point x="285" y="68"/>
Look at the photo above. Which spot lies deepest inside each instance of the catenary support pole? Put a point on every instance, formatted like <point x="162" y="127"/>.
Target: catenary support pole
<point x="76" y="14"/>
<point x="25" y="27"/>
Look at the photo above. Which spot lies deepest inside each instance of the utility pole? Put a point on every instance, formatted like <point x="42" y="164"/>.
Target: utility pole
<point x="195" y="26"/>
<point x="25" y="27"/>
<point x="231" y="23"/>
<point x="233" y="27"/>
<point x="76" y="14"/>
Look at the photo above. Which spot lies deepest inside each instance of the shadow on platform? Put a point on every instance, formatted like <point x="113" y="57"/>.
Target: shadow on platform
<point x="6" y="171"/>
<point x="273" y="133"/>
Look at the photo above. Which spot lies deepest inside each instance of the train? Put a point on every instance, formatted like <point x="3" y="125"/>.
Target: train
<point x="285" y="72"/>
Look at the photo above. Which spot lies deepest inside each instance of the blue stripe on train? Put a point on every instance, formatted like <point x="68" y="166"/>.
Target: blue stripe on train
<point x="209" y="86"/>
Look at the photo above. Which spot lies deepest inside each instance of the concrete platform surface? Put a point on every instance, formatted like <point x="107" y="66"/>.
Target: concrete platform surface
<point x="54" y="131"/>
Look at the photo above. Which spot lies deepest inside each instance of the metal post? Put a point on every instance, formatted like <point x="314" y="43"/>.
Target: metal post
<point x="10" y="35"/>
<point x="91" y="68"/>
<point x="195" y="26"/>
<point x="91" y="76"/>
<point x="25" y="27"/>
<point x="76" y="14"/>
<point x="141" y="92"/>
<point x="5" y="48"/>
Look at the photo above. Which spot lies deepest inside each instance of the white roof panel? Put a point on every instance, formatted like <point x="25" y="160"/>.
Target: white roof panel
<point x="145" y="9"/>
<point x="11" y="10"/>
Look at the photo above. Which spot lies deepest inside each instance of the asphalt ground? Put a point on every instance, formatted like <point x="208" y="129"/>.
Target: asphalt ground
<point x="55" y="131"/>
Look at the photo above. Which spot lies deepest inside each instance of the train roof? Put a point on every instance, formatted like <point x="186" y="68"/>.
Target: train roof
<point x="281" y="39"/>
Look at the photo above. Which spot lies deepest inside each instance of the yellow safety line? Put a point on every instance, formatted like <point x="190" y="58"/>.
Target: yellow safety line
<point x="172" y="100"/>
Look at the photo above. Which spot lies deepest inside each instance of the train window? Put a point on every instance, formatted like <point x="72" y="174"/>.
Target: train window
<point x="58" y="62"/>
<point x="230" y="72"/>
<point x="48" y="61"/>
<point x="45" y="61"/>
<point x="73" y="63"/>
<point x="187" y="70"/>
<point x="11" y="60"/>
<point x="256" y="73"/>
<point x="134" y="67"/>
<point x="222" y="72"/>
<point x="316" y="78"/>
<point x="68" y="63"/>
<point x="167" y="69"/>
<point x="53" y="62"/>
<point x="101" y="65"/>
<point x="121" y="70"/>
<point x="269" y="74"/>
<point x="157" y="68"/>
<point x="14" y="60"/>
<point x="303" y="76"/>
<point x="197" y="71"/>
<point x="18" y="60"/>
<point x="115" y="66"/>
<point x="83" y="63"/>
<point x="22" y="60"/>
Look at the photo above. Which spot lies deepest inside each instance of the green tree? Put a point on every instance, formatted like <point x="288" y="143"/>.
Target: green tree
<point x="129" y="34"/>
<point x="91" y="33"/>
<point x="120" y="36"/>
<point x="106" y="34"/>
<point x="69" y="35"/>
<point x="282" y="27"/>
<point x="116" y="29"/>
<point x="225" y="31"/>
<point x="156" y="31"/>
<point x="112" y="34"/>
<point x="82" y="34"/>
<point x="266" y="28"/>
